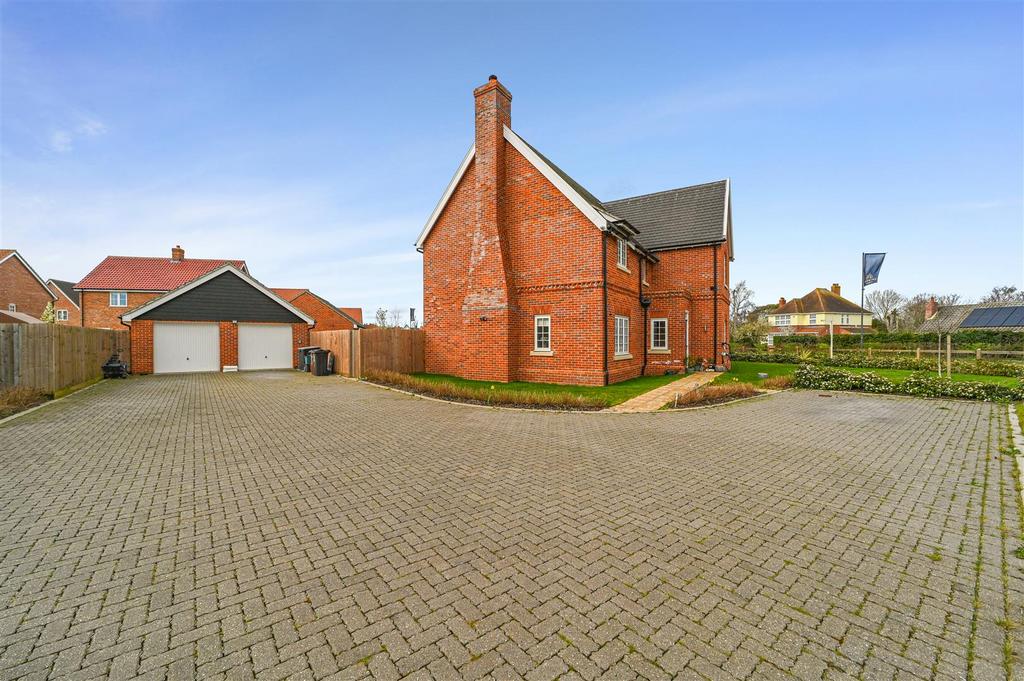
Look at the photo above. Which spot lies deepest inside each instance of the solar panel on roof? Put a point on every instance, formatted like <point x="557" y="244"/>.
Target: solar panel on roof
<point x="994" y="317"/>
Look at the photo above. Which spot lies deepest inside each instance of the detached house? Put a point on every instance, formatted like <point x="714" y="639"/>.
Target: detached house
<point x="22" y="291"/>
<point x="528" y="276"/>
<point x="66" y="310"/>
<point x="816" y="311"/>
<point x="327" y="316"/>
<point x="120" y="283"/>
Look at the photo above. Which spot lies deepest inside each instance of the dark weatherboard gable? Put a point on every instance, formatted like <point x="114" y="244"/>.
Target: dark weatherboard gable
<point x="225" y="297"/>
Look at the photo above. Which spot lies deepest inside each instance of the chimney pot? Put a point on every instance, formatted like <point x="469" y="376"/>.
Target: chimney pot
<point x="836" y="290"/>
<point x="492" y="77"/>
<point x="177" y="253"/>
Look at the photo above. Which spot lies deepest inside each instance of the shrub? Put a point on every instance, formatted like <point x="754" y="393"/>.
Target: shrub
<point x="19" y="398"/>
<point x="494" y="396"/>
<point x="918" y="384"/>
<point x="862" y="361"/>
<point x="777" y="382"/>
<point x="711" y="394"/>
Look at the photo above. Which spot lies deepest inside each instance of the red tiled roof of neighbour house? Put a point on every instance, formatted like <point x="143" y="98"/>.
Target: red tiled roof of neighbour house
<point x="131" y="273"/>
<point x="289" y="294"/>
<point x="819" y="300"/>
<point x="355" y="313"/>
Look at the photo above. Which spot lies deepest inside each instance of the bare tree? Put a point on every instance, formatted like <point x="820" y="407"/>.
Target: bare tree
<point x="1004" y="294"/>
<point x="381" y="317"/>
<point x="884" y="304"/>
<point x="742" y="303"/>
<point x="394" y="317"/>
<point x="911" y="314"/>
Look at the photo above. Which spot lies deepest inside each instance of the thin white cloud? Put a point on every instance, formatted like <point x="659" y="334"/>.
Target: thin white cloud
<point x="63" y="140"/>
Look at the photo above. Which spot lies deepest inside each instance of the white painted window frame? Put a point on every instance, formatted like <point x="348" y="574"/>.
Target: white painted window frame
<point x="12" y="307"/>
<point x="622" y="254"/>
<point x="118" y="294"/>
<point x="654" y="345"/>
<point x="621" y="337"/>
<point x="539" y="321"/>
<point x="812" y="319"/>
<point x="782" y="320"/>
<point x="61" y="315"/>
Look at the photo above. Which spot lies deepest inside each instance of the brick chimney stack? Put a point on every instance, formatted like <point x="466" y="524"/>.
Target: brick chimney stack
<point x="782" y="301"/>
<point x="487" y="298"/>
<point x="930" y="308"/>
<point x="177" y="253"/>
<point x="836" y="290"/>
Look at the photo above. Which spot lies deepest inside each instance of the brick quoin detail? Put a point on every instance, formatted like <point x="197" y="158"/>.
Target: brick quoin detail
<point x="508" y="246"/>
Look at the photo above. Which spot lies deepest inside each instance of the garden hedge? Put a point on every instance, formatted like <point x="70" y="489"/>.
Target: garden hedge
<point x="960" y="366"/>
<point x="918" y="384"/>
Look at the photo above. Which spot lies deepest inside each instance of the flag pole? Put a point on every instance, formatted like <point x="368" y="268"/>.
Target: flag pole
<point x="863" y="257"/>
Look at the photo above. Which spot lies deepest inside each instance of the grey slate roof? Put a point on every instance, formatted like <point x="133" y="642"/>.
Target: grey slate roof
<point x="948" y="318"/>
<point x="688" y="216"/>
<point x="68" y="289"/>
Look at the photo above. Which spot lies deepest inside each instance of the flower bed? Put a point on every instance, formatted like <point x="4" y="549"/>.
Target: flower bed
<point x="920" y="385"/>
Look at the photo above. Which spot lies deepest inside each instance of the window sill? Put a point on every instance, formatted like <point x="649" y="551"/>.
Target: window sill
<point x="542" y="353"/>
<point x="659" y="351"/>
<point x="624" y="269"/>
<point x="626" y="356"/>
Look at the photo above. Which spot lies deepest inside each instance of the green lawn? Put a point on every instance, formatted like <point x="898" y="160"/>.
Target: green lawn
<point x="611" y="394"/>
<point x="747" y="372"/>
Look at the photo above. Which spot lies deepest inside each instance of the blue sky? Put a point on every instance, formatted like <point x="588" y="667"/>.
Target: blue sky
<point x="313" y="139"/>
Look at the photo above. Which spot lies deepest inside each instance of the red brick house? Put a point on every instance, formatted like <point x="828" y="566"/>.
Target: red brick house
<point x="222" y="321"/>
<point x="21" y="289"/>
<point x="528" y="276"/>
<point x="327" y="316"/>
<point x="66" y="310"/>
<point x="120" y="283"/>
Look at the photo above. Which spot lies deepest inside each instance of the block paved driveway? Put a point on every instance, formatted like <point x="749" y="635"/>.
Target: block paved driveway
<point x="278" y="525"/>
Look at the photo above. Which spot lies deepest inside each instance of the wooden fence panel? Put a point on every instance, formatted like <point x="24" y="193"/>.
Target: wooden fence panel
<point x="387" y="349"/>
<point x="51" y="357"/>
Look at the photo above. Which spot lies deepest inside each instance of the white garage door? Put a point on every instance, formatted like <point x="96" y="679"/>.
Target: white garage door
<point x="179" y="347"/>
<point x="264" y="346"/>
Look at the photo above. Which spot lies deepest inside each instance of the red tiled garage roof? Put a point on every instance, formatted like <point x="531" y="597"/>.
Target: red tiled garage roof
<point x="130" y="273"/>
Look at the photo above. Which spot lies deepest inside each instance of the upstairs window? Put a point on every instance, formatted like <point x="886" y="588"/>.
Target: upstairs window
<point x="62" y="315"/>
<point x="542" y="333"/>
<point x="622" y="335"/>
<point x="845" y="319"/>
<point x="813" y="319"/>
<point x="643" y="270"/>
<point x="623" y="254"/>
<point x="12" y="307"/>
<point x="782" y="320"/>
<point x="118" y="299"/>
<point x="659" y="334"/>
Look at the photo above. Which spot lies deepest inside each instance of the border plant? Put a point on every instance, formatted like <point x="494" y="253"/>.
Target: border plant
<point x="918" y="385"/>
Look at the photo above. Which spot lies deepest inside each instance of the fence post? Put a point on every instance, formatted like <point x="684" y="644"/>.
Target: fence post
<point x="918" y="353"/>
<point x="977" y="354"/>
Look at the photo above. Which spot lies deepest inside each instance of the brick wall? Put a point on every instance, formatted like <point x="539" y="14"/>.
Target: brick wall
<point x="327" y="318"/>
<point x="300" y="338"/>
<point x="142" y="347"/>
<point x="18" y="286"/>
<point x="228" y="344"/>
<point x="65" y="303"/>
<point x="98" y="314"/>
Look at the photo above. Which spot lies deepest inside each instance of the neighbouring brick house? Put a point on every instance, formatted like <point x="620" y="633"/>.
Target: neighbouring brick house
<point x="66" y="309"/>
<point x="813" y="314"/>
<point x="327" y="316"/>
<point x="121" y="283"/>
<point x="528" y="276"/>
<point x="21" y="289"/>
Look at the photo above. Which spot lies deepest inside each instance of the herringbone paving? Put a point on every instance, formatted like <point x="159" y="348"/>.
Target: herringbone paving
<point x="276" y="525"/>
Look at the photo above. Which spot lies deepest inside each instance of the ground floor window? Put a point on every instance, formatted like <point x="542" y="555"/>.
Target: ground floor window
<point x="542" y="332"/>
<point x="622" y="335"/>
<point x="62" y="315"/>
<point x="659" y="334"/>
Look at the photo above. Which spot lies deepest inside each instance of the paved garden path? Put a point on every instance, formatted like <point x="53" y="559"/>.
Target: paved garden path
<point x="653" y="400"/>
<point x="277" y="525"/>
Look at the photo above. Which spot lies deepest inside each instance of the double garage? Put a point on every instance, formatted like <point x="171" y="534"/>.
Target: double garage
<point x="223" y="321"/>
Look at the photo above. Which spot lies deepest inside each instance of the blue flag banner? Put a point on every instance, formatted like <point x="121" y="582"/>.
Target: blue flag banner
<point x="872" y="265"/>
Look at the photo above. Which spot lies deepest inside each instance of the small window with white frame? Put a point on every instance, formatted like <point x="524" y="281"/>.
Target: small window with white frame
<point x="844" y="319"/>
<point x="12" y="307"/>
<point x="118" y="299"/>
<point x="621" y="335"/>
<point x="623" y="261"/>
<point x="542" y="333"/>
<point x="659" y="334"/>
<point x="643" y="270"/>
<point x="813" y="319"/>
<point x="62" y="315"/>
<point x="782" y="320"/>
